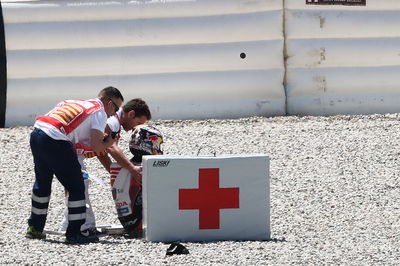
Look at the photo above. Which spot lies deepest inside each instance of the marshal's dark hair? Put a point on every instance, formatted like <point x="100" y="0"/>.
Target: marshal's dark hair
<point x="111" y="93"/>
<point x="139" y="106"/>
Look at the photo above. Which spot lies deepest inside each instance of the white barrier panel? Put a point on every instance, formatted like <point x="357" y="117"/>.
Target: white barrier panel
<point x="144" y="60"/>
<point x="370" y="4"/>
<point x="325" y="23"/>
<point x="342" y="59"/>
<point x="172" y="95"/>
<point x="344" y="90"/>
<point x="347" y="52"/>
<point x="90" y="10"/>
<point x="206" y="198"/>
<point x="187" y="59"/>
<point x="139" y="32"/>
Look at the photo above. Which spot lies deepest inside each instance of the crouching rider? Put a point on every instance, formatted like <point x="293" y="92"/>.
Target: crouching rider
<point x="126" y="190"/>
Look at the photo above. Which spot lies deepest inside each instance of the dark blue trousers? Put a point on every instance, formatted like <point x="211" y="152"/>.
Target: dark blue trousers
<point x="56" y="157"/>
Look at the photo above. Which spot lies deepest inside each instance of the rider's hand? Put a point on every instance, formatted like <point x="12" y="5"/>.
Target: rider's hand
<point x="136" y="172"/>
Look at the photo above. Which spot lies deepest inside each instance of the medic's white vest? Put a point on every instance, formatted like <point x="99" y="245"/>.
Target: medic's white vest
<point x="68" y="115"/>
<point x="88" y="152"/>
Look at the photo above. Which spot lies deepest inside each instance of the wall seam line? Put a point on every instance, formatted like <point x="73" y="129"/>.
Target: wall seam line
<point x="285" y="56"/>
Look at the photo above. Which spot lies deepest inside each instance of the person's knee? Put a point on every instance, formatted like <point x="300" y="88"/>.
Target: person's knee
<point x="77" y="192"/>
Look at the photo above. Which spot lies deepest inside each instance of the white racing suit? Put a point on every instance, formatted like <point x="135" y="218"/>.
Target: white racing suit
<point x="127" y="195"/>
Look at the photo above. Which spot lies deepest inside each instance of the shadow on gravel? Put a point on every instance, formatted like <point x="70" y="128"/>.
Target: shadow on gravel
<point x="277" y="240"/>
<point x="54" y="241"/>
<point x="101" y="242"/>
<point x="274" y="240"/>
<point x="107" y="242"/>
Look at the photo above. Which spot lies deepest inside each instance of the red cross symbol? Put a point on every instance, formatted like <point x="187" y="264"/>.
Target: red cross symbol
<point x="209" y="198"/>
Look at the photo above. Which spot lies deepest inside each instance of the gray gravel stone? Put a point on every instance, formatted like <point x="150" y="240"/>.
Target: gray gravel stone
<point x="335" y="195"/>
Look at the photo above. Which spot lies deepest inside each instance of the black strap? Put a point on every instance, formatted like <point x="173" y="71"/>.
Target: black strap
<point x="3" y="71"/>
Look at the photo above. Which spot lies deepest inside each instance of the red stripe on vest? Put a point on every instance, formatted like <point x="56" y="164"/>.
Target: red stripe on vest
<point x="65" y="119"/>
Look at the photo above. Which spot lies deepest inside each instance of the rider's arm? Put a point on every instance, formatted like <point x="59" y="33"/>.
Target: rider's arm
<point x="121" y="159"/>
<point x="105" y="161"/>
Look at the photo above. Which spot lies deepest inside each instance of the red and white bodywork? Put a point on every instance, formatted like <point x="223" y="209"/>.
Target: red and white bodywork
<point x="122" y="185"/>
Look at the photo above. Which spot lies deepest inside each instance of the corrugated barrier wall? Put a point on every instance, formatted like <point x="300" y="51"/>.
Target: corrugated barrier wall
<point x="183" y="57"/>
<point x="193" y="59"/>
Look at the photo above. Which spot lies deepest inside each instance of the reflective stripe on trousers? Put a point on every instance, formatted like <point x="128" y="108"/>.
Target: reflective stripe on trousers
<point x="76" y="210"/>
<point x="76" y="203"/>
<point x="76" y="217"/>
<point x="40" y="204"/>
<point x="40" y="199"/>
<point x="38" y="211"/>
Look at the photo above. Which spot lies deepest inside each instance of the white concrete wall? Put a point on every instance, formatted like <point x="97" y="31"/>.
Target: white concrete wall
<point x="182" y="57"/>
<point x="343" y="59"/>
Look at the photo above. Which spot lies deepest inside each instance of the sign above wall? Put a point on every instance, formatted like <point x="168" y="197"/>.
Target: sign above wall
<point x="337" y="2"/>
